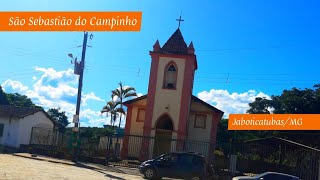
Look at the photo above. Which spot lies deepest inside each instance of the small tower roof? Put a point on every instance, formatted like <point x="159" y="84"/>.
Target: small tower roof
<point x="191" y="45"/>
<point x="156" y="46"/>
<point x="175" y="44"/>
<point x="191" y="48"/>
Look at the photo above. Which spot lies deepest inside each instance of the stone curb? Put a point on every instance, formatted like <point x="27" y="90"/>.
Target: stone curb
<point x="65" y="162"/>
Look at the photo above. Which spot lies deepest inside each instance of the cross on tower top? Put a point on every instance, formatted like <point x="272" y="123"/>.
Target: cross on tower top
<point x="179" y="21"/>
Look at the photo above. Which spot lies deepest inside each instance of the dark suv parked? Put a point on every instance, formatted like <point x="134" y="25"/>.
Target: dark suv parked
<point x="187" y="165"/>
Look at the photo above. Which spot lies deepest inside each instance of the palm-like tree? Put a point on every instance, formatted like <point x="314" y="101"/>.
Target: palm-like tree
<point x="122" y="93"/>
<point x="112" y="108"/>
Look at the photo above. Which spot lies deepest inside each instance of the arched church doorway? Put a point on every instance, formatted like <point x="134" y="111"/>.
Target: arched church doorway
<point x="163" y="135"/>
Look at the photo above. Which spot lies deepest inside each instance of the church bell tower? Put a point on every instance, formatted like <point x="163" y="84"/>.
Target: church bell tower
<point x="170" y="86"/>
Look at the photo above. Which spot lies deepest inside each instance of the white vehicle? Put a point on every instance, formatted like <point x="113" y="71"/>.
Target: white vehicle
<point x="268" y="176"/>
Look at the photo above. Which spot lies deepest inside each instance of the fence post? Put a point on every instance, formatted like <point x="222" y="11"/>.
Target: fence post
<point x="319" y="169"/>
<point x="233" y="164"/>
<point x="124" y="149"/>
<point x="30" y="150"/>
<point x="211" y="156"/>
<point x="31" y="135"/>
<point x="108" y="148"/>
<point x="117" y="147"/>
<point x="144" y="153"/>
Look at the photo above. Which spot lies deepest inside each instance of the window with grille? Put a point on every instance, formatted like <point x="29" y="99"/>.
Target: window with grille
<point x="141" y="115"/>
<point x="200" y="121"/>
<point x="170" y="80"/>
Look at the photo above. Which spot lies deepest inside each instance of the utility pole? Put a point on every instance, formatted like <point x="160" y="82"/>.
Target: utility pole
<point x="78" y="69"/>
<point x="82" y="63"/>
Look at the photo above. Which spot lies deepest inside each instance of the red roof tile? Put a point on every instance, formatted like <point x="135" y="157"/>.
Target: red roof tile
<point x="175" y="44"/>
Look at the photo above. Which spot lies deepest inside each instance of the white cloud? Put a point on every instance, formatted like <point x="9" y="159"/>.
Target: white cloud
<point x="15" y="86"/>
<point x="97" y="122"/>
<point x="230" y="103"/>
<point x="88" y="113"/>
<point x="90" y="96"/>
<point x="56" y="84"/>
<point x="106" y="120"/>
<point x="62" y="76"/>
<point x="56" y="89"/>
<point x="123" y="121"/>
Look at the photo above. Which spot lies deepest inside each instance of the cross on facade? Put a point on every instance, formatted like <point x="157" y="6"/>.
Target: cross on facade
<point x="179" y="21"/>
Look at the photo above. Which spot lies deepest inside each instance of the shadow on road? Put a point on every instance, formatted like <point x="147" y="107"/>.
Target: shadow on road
<point x="98" y="170"/>
<point x="114" y="177"/>
<point x="77" y="164"/>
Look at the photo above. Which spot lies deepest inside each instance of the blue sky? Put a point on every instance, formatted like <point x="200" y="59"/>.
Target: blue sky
<point x="244" y="49"/>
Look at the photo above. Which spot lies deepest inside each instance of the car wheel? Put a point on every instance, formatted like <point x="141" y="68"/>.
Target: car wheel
<point x="149" y="173"/>
<point x="195" y="177"/>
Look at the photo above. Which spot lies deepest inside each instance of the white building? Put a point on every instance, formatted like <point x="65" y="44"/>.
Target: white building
<point x="16" y="124"/>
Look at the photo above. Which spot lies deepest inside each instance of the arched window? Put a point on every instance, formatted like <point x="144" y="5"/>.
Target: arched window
<point x="170" y="79"/>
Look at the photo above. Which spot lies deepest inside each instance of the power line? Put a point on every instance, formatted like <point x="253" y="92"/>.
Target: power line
<point x="38" y="50"/>
<point x="228" y="79"/>
<point x="255" y="83"/>
<point x="257" y="48"/>
<point x="46" y="57"/>
<point x="198" y="50"/>
<point x="219" y="80"/>
<point x="197" y="78"/>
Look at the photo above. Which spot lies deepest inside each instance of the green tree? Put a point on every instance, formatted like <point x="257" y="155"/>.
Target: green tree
<point x="259" y="106"/>
<point x="16" y="99"/>
<point x="224" y="135"/>
<point x="112" y="108"/>
<point x="297" y="101"/>
<point x="3" y="97"/>
<point x="93" y="133"/>
<point x="59" y="116"/>
<point x="293" y="101"/>
<point x="122" y="93"/>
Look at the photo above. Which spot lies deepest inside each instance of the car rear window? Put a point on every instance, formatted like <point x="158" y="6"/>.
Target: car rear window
<point x="198" y="160"/>
<point x="276" y="177"/>
<point x="171" y="157"/>
<point x="186" y="159"/>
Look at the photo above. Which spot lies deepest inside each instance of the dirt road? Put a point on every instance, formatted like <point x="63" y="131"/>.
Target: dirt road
<point x="20" y="168"/>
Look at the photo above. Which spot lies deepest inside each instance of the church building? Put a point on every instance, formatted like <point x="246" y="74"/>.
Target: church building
<point x="169" y="116"/>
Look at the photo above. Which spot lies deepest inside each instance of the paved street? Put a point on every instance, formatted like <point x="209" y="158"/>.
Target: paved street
<point x="23" y="168"/>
